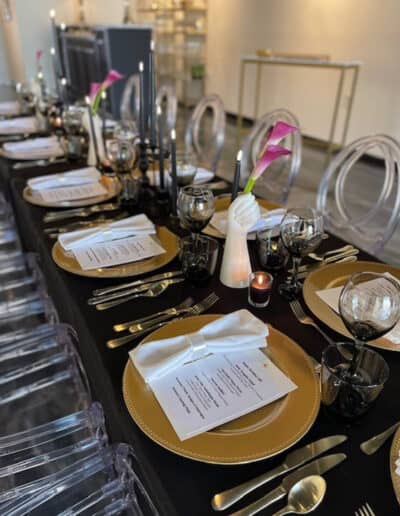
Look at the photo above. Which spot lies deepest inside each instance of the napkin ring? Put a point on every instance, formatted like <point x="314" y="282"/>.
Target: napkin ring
<point x="197" y="344"/>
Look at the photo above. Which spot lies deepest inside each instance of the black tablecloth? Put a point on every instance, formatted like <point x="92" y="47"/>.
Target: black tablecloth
<point x="182" y="486"/>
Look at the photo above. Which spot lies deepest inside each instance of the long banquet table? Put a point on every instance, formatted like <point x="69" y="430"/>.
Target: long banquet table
<point x="181" y="486"/>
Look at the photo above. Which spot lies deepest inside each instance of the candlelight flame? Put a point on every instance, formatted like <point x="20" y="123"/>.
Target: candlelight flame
<point x="63" y="26"/>
<point x="152" y="45"/>
<point x="159" y="111"/>
<point x="87" y="100"/>
<point x="52" y="13"/>
<point x="173" y="134"/>
<point x="239" y="156"/>
<point x="63" y="81"/>
<point x="53" y="51"/>
<point x="141" y="67"/>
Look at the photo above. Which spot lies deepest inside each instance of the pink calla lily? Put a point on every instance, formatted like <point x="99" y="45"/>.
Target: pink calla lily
<point x="279" y="131"/>
<point x="112" y="77"/>
<point x="270" y="152"/>
<point x="94" y="89"/>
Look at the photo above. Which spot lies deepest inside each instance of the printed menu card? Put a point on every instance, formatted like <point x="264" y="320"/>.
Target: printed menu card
<point x="214" y="390"/>
<point x="117" y="252"/>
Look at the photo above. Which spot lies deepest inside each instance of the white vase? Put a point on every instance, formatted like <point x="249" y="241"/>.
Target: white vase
<point x="97" y="124"/>
<point x="243" y="213"/>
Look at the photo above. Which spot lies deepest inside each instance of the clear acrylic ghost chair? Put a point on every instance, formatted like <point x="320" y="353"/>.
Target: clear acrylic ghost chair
<point x="205" y="131"/>
<point x="276" y="183"/>
<point x="87" y="487"/>
<point x="55" y="435"/>
<point x="45" y="391"/>
<point x="16" y="355"/>
<point x="365" y="210"/>
<point x="130" y="100"/>
<point x="166" y="99"/>
<point x="22" y="272"/>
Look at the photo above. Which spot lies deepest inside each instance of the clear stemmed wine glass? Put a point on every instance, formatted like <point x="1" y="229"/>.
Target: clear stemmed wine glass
<point x="195" y="208"/>
<point x="369" y="306"/>
<point x="301" y="232"/>
<point x="121" y="155"/>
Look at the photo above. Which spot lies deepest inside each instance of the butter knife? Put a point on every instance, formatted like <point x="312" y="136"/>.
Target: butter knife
<point x="331" y="259"/>
<point x="115" y="288"/>
<point x="304" y="274"/>
<point x="293" y="460"/>
<point x="317" y="467"/>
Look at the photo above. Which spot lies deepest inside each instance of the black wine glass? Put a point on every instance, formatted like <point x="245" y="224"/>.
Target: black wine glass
<point x="301" y="232"/>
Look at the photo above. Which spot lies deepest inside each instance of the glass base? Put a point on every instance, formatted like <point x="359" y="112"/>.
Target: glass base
<point x="290" y="291"/>
<point x="257" y="305"/>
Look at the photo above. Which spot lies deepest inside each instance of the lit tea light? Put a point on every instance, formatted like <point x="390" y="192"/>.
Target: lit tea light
<point x="63" y="26"/>
<point x="52" y="13"/>
<point x="260" y="286"/>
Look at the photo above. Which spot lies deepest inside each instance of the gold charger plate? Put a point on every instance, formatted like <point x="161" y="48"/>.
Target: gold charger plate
<point x="256" y="436"/>
<point x="111" y="184"/>
<point x="223" y="203"/>
<point x="168" y="241"/>
<point x="394" y="455"/>
<point x="336" y="275"/>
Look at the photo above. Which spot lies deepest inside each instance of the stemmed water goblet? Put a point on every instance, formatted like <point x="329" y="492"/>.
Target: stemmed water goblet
<point x="353" y="375"/>
<point x="121" y="155"/>
<point x="301" y="232"/>
<point x="369" y="306"/>
<point x="195" y="208"/>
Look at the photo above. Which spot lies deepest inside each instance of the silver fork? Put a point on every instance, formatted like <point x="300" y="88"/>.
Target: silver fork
<point x="187" y="303"/>
<point x="303" y="318"/>
<point x="197" y="309"/>
<point x="365" y="510"/>
<point x="191" y="310"/>
<point x="53" y="216"/>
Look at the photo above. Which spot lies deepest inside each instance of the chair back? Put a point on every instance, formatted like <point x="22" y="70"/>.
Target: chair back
<point x="166" y="99"/>
<point x="367" y="216"/>
<point x="207" y="144"/>
<point x="130" y="100"/>
<point x="276" y="183"/>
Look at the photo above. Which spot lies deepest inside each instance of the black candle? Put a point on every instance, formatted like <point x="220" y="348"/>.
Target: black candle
<point x="142" y="114"/>
<point x="260" y="286"/>
<point x="161" y="147"/>
<point x="236" y="178"/>
<point x="152" y="97"/>
<point x="174" y="183"/>
<point x="57" y="62"/>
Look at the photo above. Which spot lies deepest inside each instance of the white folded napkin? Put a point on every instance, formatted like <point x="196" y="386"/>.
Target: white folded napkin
<point x="331" y="297"/>
<point x="269" y="220"/>
<point x="35" y="148"/>
<point x="238" y="331"/>
<point x="10" y="107"/>
<point x="202" y="176"/>
<point x="138" y="225"/>
<point x="25" y="124"/>
<point x="78" y="177"/>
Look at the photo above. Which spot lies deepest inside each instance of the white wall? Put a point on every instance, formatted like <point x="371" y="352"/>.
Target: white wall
<point x="106" y="11"/>
<point x="346" y="29"/>
<point x="4" y="76"/>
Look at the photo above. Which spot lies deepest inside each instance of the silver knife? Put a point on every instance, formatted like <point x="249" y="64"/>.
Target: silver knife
<point x="304" y="274"/>
<point x="331" y="259"/>
<point x="53" y="216"/>
<point x="116" y="295"/>
<point x="317" y="467"/>
<point x="115" y="288"/>
<point x="293" y="460"/>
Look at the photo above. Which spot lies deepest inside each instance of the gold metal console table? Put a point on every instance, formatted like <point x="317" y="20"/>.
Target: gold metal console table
<point x="342" y="66"/>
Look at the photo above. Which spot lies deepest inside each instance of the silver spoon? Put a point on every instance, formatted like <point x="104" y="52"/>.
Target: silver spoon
<point x="304" y="496"/>
<point x="372" y="445"/>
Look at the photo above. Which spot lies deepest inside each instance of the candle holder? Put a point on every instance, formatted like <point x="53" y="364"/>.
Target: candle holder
<point x="260" y="287"/>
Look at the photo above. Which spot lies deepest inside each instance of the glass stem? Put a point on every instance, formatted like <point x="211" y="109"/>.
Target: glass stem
<point x="355" y="361"/>
<point x="296" y="265"/>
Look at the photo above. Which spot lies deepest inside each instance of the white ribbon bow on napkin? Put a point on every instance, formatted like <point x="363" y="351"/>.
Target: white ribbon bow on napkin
<point x="138" y="225"/>
<point x="78" y="177"/>
<point x="268" y="220"/>
<point x="238" y="331"/>
<point x="26" y="124"/>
